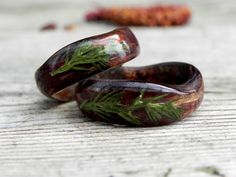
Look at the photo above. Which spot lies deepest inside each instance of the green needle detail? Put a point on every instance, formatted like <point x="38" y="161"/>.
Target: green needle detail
<point x="84" y="57"/>
<point x="106" y="104"/>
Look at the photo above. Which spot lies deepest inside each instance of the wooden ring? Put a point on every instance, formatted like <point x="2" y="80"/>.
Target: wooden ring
<point x="143" y="96"/>
<point x="83" y="59"/>
<point x="89" y="71"/>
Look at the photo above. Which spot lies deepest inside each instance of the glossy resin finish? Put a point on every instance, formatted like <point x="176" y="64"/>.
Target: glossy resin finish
<point x="142" y="96"/>
<point x="90" y="71"/>
<point x="82" y="59"/>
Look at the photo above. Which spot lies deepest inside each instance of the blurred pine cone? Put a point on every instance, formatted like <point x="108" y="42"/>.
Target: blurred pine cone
<point x="159" y="15"/>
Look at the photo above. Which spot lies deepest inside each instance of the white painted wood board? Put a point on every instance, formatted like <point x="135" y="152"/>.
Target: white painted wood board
<point x="40" y="138"/>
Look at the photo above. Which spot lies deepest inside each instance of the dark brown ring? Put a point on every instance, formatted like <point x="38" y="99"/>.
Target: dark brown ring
<point x="177" y="87"/>
<point x="142" y="96"/>
<point x="119" y="46"/>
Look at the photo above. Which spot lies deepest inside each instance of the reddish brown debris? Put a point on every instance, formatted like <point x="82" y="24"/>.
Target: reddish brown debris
<point x="49" y="26"/>
<point x="159" y="15"/>
<point x="70" y="27"/>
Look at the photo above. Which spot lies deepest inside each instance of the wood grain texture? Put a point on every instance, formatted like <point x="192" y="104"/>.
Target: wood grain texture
<point x="39" y="138"/>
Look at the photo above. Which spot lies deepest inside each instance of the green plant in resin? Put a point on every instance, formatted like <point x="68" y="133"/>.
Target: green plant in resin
<point x="84" y="57"/>
<point x="107" y="104"/>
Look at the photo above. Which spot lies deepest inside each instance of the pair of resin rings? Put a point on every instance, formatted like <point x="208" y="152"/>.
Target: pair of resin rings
<point x="90" y="71"/>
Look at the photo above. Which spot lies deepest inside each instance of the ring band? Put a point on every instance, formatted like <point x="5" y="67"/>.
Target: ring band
<point x="90" y="71"/>
<point x="83" y="59"/>
<point x="143" y="96"/>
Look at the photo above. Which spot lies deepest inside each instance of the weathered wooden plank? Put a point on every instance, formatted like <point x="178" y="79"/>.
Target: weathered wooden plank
<point x="41" y="138"/>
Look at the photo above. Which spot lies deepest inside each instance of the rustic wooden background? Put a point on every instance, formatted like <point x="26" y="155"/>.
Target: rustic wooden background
<point x="41" y="138"/>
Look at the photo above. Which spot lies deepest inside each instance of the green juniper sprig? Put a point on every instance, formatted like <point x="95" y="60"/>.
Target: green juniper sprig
<point x="106" y="104"/>
<point x="156" y="110"/>
<point x="84" y="57"/>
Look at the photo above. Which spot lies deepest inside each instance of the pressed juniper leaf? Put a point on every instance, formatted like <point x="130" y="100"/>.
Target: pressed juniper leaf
<point x="84" y="57"/>
<point x="106" y="104"/>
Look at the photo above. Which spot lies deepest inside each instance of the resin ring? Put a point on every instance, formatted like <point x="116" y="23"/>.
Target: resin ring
<point x="143" y="96"/>
<point x="82" y="59"/>
<point x="89" y="71"/>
